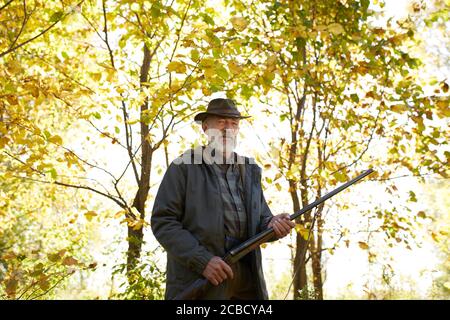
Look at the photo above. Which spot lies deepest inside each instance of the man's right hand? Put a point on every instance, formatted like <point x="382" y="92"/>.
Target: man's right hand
<point x="217" y="271"/>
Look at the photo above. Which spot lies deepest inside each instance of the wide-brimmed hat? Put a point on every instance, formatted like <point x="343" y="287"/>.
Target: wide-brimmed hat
<point x="220" y="107"/>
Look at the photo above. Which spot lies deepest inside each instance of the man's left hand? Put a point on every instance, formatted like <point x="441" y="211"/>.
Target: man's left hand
<point x="281" y="224"/>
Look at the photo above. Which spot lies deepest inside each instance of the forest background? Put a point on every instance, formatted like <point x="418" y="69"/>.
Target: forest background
<point x="97" y="97"/>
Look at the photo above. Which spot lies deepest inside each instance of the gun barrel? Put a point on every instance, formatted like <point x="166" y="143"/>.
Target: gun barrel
<point x="250" y="244"/>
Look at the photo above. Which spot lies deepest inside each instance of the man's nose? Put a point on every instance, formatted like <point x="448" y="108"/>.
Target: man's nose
<point x="228" y="125"/>
<point x="228" y="131"/>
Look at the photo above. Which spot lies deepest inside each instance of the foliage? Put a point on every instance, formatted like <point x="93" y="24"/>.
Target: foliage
<point x="41" y="242"/>
<point x="335" y="86"/>
<point x="147" y="280"/>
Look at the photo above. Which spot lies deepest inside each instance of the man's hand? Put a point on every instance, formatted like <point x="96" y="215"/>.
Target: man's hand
<point x="281" y="224"/>
<point x="217" y="270"/>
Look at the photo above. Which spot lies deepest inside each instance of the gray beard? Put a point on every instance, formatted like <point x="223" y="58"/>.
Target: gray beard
<point x="223" y="150"/>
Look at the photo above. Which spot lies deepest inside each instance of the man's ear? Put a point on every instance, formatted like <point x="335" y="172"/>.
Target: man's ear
<point x="204" y="126"/>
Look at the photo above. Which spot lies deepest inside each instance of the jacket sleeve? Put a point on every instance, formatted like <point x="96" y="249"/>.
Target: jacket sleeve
<point x="266" y="213"/>
<point x="166" y="223"/>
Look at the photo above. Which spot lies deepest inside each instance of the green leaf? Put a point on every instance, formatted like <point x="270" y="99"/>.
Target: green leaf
<point x="155" y="10"/>
<point x="354" y="97"/>
<point x="412" y="196"/>
<point x="53" y="257"/>
<point x="38" y="270"/>
<point x="47" y="134"/>
<point x="239" y="23"/>
<point x="195" y="55"/>
<point x="56" y="16"/>
<point x="53" y="173"/>
<point x="207" y="19"/>
<point x="222" y="72"/>
<point x="97" y="115"/>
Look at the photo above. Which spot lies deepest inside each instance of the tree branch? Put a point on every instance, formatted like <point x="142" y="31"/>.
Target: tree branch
<point x="6" y="4"/>
<point x="38" y="35"/>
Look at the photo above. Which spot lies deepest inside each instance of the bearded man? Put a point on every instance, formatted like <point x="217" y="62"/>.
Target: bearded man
<point x="209" y="201"/>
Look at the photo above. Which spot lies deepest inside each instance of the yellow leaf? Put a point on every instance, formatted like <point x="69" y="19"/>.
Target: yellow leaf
<point x="119" y="214"/>
<point x="89" y="215"/>
<point x="239" y="23"/>
<point x="336" y="28"/>
<point x="209" y="73"/>
<point x="399" y="108"/>
<point x="138" y="225"/>
<point x="278" y="186"/>
<point x="3" y="142"/>
<point x="176" y="66"/>
<point x="96" y="76"/>
<point x="443" y="109"/>
<point x="421" y="214"/>
<point x="12" y="99"/>
<point x="341" y="177"/>
<point x="304" y="232"/>
<point x="234" y="67"/>
<point x="33" y="89"/>
<point x="206" y="91"/>
<point x="435" y="237"/>
<point x="55" y="139"/>
<point x="330" y="165"/>
<point x="363" y="245"/>
<point x="132" y="121"/>
<point x="271" y="60"/>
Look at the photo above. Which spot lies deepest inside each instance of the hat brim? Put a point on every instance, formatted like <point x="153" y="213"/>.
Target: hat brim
<point x="202" y="115"/>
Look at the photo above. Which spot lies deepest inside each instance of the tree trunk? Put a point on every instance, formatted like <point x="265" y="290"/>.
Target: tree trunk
<point x="136" y="237"/>
<point x="316" y="255"/>
<point x="300" y="276"/>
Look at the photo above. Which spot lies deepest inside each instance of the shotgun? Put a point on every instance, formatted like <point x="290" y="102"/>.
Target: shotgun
<point x="198" y="288"/>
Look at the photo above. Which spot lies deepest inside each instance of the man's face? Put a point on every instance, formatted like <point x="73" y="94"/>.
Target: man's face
<point x="222" y="132"/>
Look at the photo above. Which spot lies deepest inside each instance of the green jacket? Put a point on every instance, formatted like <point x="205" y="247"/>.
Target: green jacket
<point x="187" y="220"/>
